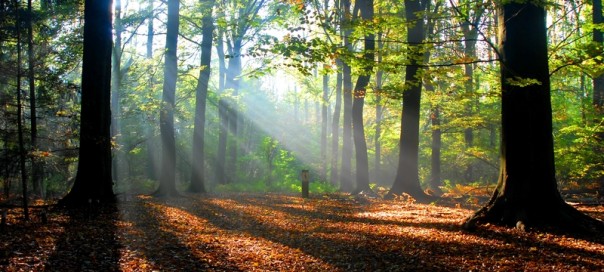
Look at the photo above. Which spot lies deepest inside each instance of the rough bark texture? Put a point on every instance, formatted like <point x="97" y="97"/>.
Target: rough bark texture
<point x="167" y="181"/>
<point x="598" y="81"/>
<point x="407" y="176"/>
<point x="198" y="156"/>
<point x="527" y="193"/>
<point x="93" y="180"/>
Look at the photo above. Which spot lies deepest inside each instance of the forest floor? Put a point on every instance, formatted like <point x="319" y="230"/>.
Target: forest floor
<point x="275" y="232"/>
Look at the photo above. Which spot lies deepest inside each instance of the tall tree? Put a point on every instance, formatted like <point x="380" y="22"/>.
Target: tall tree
<point x="198" y="152"/>
<point x="20" y="118"/>
<point x="598" y="80"/>
<point x="335" y="126"/>
<point x="35" y="165"/>
<point x="407" y="176"/>
<point x="360" y="91"/>
<point x="93" y="179"/>
<point x="167" y="181"/>
<point x="347" y="148"/>
<point x="527" y="193"/>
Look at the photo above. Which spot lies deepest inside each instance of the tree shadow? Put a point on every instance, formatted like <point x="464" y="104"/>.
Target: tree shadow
<point x="160" y="247"/>
<point x="366" y="250"/>
<point x="88" y="243"/>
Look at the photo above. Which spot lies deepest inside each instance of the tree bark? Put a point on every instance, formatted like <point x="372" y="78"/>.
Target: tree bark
<point x="198" y="152"/>
<point x="36" y="169"/>
<point x="167" y="181"/>
<point x="93" y="179"/>
<point x="324" y="121"/>
<point x="347" y="148"/>
<point x="527" y="193"/>
<point x="407" y="176"/>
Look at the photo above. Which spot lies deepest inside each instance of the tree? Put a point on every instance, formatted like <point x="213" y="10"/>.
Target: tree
<point x="93" y="180"/>
<point x="197" y="161"/>
<point x="347" y="148"/>
<point x="407" y="177"/>
<point x="360" y="91"/>
<point x="526" y="193"/>
<point x="598" y="80"/>
<point x="167" y="180"/>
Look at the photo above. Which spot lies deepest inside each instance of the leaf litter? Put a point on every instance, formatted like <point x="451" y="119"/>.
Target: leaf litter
<point x="276" y="232"/>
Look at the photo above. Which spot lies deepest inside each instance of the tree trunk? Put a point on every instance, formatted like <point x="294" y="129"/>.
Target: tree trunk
<point x="324" y="121"/>
<point x="119" y="157"/>
<point x="360" y="91"/>
<point x="527" y="193"/>
<point x="93" y="179"/>
<point x="152" y="158"/>
<point x="379" y="110"/>
<point x="335" y="127"/>
<point x="36" y="169"/>
<point x="222" y="112"/>
<point x="346" y="172"/>
<point x="598" y="81"/>
<point x="407" y="177"/>
<point x="198" y="152"/>
<point x="167" y="181"/>
<point x="22" y="151"/>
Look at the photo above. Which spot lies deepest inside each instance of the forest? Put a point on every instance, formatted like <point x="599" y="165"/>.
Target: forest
<point x="285" y="135"/>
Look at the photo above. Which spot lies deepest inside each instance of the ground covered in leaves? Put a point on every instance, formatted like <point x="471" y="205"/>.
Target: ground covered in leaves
<point x="253" y="232"/>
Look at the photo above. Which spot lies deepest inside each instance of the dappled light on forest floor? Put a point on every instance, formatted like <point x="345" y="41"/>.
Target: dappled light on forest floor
<point x="272" y="232"/>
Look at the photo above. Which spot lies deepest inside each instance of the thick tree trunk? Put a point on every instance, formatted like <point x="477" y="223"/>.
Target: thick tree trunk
<point x="93" y="180"/>
<point x="407" y="176"/>
<point x="167" y="181"/>
<point x="198" y="156"/>
<point x="527" y="193"/>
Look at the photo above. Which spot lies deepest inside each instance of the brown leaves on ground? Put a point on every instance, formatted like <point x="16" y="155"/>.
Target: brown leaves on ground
<point x="244" y="232"/>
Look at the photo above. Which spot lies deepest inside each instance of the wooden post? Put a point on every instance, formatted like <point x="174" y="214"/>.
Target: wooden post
<point x="304" y="176"/>
<point x="3" y="221"/>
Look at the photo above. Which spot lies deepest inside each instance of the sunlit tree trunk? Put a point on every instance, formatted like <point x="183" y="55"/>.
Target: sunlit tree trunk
<point x="324" y="121"/>
<point x="167" y="181"/>
<point x="347" y="148"/>
<point x="335" y="126"/>
<point x="119" y="161"/>
<point x="527" y="193"/>
<point x="93" y="179"/>
<point x="407" y="176"/>
<point x="379" y="109"/>
<point x="152" y="158"/>
<point x="222" y="111"/>
<point x="198" y="152"/>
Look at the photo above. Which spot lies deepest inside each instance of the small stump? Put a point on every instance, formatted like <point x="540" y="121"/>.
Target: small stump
<point x="304" y="176"/>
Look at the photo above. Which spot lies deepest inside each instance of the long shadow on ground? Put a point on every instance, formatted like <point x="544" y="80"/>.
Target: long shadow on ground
<point x="88" y="242"/>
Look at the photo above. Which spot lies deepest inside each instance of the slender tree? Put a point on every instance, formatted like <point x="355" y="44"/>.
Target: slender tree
<point x="167" y="181"/>
<point x="198" y="156"/>
<point x="20" y="118"/>
<point x="598" y="80"/>
<point x="347" y="148"/>
<point x="93" y="180"/>
<point x="527" y="193"/>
